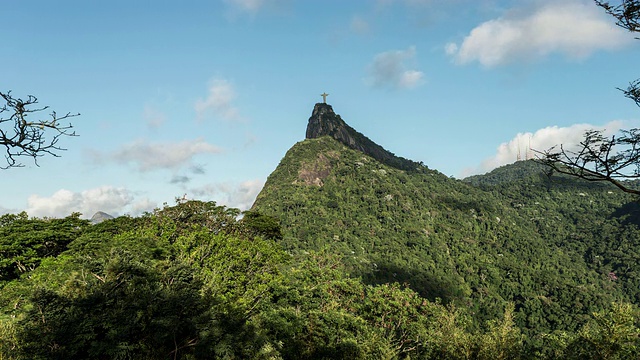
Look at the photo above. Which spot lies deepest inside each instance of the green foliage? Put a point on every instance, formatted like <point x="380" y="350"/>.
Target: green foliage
<point x="8" y="341"/>
<point x="318" y="313"/>
<point x="172" y="222"/>
<point x="264" y="225"/>
<point x="117" y="225"/>
<point x="449" y="338"/>
<point x="611" y="334"/>
<point x="25" y="242"/>
<point x="557" y="248"/>
<point x="503" y="339"/>
<point x="122" y="309"/>
<point x="193" y="281"/>
<point x="129" y="288"/>
<point x="237" y="270"/>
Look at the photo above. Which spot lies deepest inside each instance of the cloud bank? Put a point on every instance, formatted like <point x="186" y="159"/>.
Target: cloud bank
<point x="239" y="196"/>
<point x="393" y="69"/>
<point x="574" y="29"/>
<point x="540" y="140"/>
<point x="112" y="200"/>
<point x="117" y="201"/>
<point x="148" y="156"/>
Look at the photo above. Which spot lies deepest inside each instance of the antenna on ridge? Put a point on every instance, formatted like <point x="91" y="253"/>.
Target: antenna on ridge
<point x="518" y="157"/>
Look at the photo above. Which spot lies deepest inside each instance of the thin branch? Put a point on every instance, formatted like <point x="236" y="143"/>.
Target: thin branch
<point x="627" y="13"/>
<point x="633" y="91"/>
<point x="597" y="159"/>
<point x="22" y="136"/>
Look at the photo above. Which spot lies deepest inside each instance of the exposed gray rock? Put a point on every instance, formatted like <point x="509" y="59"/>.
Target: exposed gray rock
<point x="325" y="122"/>
<point x="100" y="217"/>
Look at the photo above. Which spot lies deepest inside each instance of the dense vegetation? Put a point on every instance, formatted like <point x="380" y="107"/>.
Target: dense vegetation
<point x="342" y="257"/>
<point x="556" y="248"/>
<point x="192" y="282"/>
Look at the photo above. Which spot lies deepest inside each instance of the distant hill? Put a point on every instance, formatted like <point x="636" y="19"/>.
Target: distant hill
<point x="518" y="171"/>
<point x="99" y="217"/>
<point x="531" y="171"/>
<point x="556" y="247"/>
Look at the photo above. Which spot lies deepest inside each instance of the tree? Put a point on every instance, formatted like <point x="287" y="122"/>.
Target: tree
<point x="127" y="309"/>
<point x="599" y="157"/>
<point x="22" y="136"/>
<point x="25" y="242"/>
<point x="260" y="224"/>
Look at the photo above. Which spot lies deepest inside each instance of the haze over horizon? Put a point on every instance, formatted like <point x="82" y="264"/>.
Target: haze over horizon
<point x="204" y="99"/>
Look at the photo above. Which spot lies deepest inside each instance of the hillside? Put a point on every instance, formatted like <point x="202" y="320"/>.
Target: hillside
<point x="558" y="248"/>
<point x="519" y="171"/>
<point x="349" y="252"/>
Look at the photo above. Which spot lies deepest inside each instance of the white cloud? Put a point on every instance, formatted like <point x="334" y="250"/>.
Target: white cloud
<point x="141" y="206"/>
<point x="541" y="140"/>
<point x="390" y="69"/>
<point x="451" y="49"/>
<point x="239" y="196"/>
<point x="382" y="3"/>
<point x="253" y="7"/>
<point x="219" y="101"/>
<point x="154" y="118"/>
<point x="410" y="78"/>
<point x="575" y="29"/>
<point x="250" y="6"/>
<point x="63" y="202"/>
<point x="359" y="25"/>
<point x="147" y="156"/>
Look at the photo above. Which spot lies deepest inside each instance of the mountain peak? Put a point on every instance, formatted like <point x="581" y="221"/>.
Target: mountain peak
<point x="99" y="217"/>
<point x="322" y="108"/>
<point x="325" y="122"/>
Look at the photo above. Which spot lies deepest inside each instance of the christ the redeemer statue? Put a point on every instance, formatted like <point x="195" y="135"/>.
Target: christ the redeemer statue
<point x="324" y="97"/>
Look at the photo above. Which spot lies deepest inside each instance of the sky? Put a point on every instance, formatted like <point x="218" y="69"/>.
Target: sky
<point x="202" y="99"/>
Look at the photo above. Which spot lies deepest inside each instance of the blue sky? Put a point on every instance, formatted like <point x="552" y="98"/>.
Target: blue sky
<point x="204" y="98"/>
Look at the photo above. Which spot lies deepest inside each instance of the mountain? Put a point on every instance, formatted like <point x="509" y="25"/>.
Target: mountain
<point x="372" y="261"/>
<point x="325" y="122"/>
<point x="518" y="171"/>
<point x="558" y="248"/>
<point x="99" y="217"/>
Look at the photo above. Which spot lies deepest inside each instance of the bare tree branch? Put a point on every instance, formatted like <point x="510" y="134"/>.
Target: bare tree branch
<point x="599" y="158"/>
<point x="627" y="13"/>
<point x="23" y="136"/>
<point x="633" y="91"/>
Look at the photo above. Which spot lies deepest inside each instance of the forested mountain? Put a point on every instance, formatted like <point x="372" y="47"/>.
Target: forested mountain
<point x="558" y="248"/>
<point x="349" y="252"/>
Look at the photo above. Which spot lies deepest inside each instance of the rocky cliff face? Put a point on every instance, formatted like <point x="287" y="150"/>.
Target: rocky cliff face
<point x="325" y="122"/>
